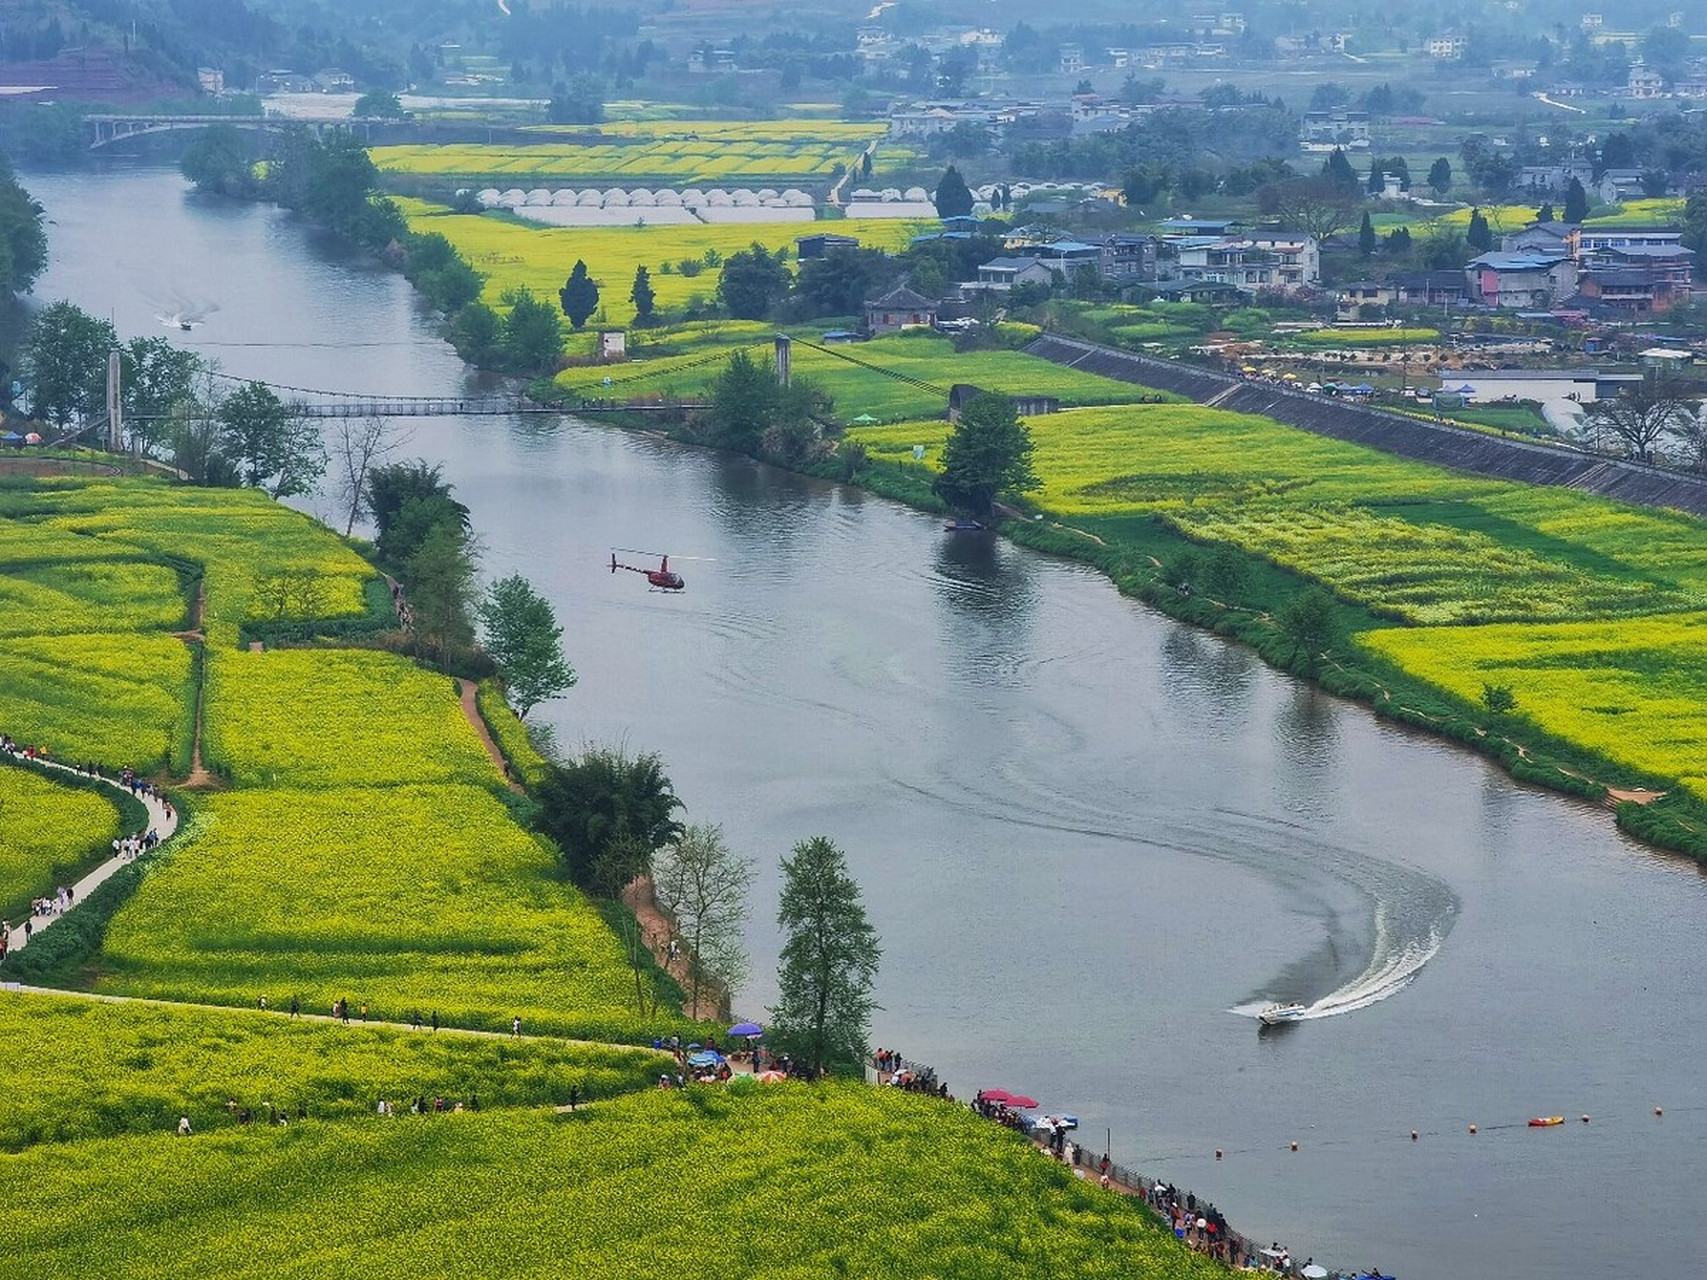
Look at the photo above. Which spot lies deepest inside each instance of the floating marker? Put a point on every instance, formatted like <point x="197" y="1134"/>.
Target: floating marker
<point x="1472" y="1128"/>
<point x="1585" y="1119"/>
<point x="1217" y="1153"/>
<point x="1658" y="1112"/>
<point x="1413" y="1135"/>
<point x="1295" y="1146"/>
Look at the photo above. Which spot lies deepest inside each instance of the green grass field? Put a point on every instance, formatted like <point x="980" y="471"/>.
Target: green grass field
<point x="789" y="1182"/>
<point x="858" y="390"/>
<point x="98" y="1068"/>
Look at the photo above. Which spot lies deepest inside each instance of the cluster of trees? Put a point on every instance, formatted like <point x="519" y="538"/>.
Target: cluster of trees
<point x="526" y="338"/>
<point x="1661" y="409"/>
<point x="23" y="239"/>
<point x="752" y="412"/>
<point x="329" y="178"/>
<point x="613" y="818"/>
<point x="174" y="404"/>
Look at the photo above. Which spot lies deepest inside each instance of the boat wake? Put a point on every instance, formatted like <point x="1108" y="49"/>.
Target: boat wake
<point x="1392" y="967"/>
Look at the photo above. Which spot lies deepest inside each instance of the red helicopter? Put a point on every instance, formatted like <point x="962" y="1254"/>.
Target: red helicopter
<point x="663" y="578"/>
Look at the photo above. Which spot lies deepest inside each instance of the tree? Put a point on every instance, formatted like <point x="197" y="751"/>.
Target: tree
<point x="23" y="241"/>
<point x="1545" y="213"/>
<point x="358" y="445"/>
<point x="580" y="101"/>
<point x="1479" y="236"/>
<point x="1316" y="206"/>
<point x="440" y="581"/>
<point x="1642" y="415"/>
<point x="478" y="335"/>
<point x="642" y="297"/>
<point x="1337" y="170"/>
<point x="378" y="105"/>
<point x="218" y="161"/>
<point x="988" y="453"/>
<point x="1142" y="185"/>
<point x="753" y="281"/>
<point x="1307" y="620"/>
<point x="953" y="198"/>
<point x="1440" y="176"/>
<point x="1576" y="202"/>
<point x="1225" y="574"/>
<point x="1695" y="224"/>
<point x="1498" y="699"/>
<point x="65" y="363"/>
<point x="606" y="802"/>
<point x="272" y="446"/>
<point x="579" y="295"/>
<point x="743" y="398"/>
<point x="1366" y="238"/>
<point x="533" y="335"/>
<point x="522" y="635"/>
<point x="702" y="885"/>
<point x="158" y="380"/>
<point x="828" y="965"/>
<point x="407" y="500"/>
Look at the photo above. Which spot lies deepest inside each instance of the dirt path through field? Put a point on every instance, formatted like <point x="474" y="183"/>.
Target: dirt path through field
<point x="656" y="931"/>
<point x="471" y="709"/>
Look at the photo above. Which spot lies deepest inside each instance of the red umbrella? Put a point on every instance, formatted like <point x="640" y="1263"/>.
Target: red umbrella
<point x="995" y="1095"/>
<point x="1021" y="1102"/>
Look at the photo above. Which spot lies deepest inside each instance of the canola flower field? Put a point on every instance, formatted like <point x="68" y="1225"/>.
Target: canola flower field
<point x="512" y="254"/>
<point x="792" y="1182"/>
<point x="46" y="831"/>
<point x="98" y="1069"/>
<point x="1590" y="611"/>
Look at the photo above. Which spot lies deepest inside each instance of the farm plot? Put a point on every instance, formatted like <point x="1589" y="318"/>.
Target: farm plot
<point x="116" y="699"/>
<point x="97" y="1069"/>
<point x="313" y="718"/>
<point x="46" y="830"/>
<point x="512" y="255"/>
<point x="781" y="1180"/>
<point x="1631" y="689"/>
<point x="407" y="899"/>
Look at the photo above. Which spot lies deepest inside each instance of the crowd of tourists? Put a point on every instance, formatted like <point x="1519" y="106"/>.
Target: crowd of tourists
<point x="895" y="1072"/>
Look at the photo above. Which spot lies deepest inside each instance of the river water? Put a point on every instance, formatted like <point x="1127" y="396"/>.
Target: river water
<point x="1091" y="838"/>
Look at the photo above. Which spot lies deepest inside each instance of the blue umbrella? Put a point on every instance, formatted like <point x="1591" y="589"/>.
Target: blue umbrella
<point x="752" y="1030"/>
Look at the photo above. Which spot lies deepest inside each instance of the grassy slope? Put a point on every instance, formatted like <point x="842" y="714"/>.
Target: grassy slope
<point x="857" y="390"/>
<point x="97" y="1069"/>
<point x="791" y="1182"/>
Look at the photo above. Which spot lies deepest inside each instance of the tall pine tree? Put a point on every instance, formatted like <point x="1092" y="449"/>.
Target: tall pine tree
<point x="642" y="297"/>
<point x="579" y="295"/>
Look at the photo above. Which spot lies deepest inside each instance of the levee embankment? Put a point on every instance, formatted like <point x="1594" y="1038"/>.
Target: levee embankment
<point x="1440" y="443"/>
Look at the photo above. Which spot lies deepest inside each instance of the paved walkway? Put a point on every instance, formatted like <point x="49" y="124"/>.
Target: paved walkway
<point x="160" y="822"/>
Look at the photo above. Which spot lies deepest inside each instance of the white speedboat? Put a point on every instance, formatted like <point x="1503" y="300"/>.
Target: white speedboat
<point x="1276" y="1014"/>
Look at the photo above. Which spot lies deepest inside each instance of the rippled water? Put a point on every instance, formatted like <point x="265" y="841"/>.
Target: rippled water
<point x="1088" y="835"/>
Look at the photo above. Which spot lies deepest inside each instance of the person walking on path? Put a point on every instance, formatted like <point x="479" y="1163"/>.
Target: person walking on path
<point x="515" y="1026"/>
<point x="364" y="1013"/>
<point x="295" y="1007"/>
<point x="435" y="1019"/>
<point x="574" y="1096"/>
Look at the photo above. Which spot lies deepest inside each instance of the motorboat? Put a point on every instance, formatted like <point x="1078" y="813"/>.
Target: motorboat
<point x="1276" y="1014"/>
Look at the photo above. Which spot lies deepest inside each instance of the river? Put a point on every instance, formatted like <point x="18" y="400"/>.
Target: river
<point x="1088" y="835"/>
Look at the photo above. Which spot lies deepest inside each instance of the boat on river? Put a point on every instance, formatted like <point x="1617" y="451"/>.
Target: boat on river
<point x="1546" y="1122"/>
<point x="1276" y="1014"/>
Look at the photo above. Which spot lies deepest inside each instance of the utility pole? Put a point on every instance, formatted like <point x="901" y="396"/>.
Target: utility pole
<point x="115" y="401"/>
<point x="784" y="358"/>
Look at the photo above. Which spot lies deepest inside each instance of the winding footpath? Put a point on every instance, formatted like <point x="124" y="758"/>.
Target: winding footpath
<point x="162" y="820"/>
